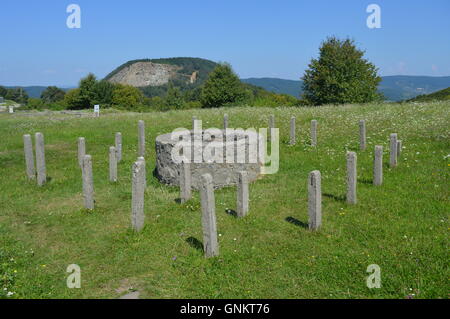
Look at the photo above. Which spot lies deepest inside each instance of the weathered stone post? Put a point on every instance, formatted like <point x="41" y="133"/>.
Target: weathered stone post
<point x="112" y="164"/>
<point x="210" y="243"/>
<point x="40" y="159"/>
<point x="314" y="133"/>
<point x="242" y="194"/>
<point x="141" y="139"/>
<point x="185" y="182"/>
<point x="29" y="157"/>
<point x="292" y="140"/>
<point x="225" y="121"/>
<point x="351" y="177"/>
<point x="393" y="150"/>
<point x="118" y="144"/>
<point x="362" y="135"/>
<point x="144" y="168"/>
<point x="81" y="150"/>
<point x="88" y="182"/>
<point x="137" y="197"/>
<point x="194" y="118"/>
<point x="378" y="166"/>
<point x="314" y="200"/>
<point x="399" y="148"/>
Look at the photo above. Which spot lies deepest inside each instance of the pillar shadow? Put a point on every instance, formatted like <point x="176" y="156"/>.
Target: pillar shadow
<point x="296" y="222"/>
<point x="341" y="198"/>
<point x="231" y="212"/>
<point x="365" y="181"/>
<point x="195" y="243"/>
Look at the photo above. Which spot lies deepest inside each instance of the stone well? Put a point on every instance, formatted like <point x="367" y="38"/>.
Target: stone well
<point x="240" y="147"/>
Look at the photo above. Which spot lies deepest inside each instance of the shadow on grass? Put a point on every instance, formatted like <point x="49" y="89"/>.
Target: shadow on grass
<point x="296" y="222"/>
<point x="231" y="212"/>
<point x="195" y="243"/>
<point x="365" y="181"/>
<point x="336" y="198"/>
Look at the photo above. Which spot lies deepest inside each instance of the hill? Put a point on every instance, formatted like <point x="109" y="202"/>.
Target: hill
<point x="442" y="95"/>
<point x="154" y="75"/>
<point x="394" y="88"/>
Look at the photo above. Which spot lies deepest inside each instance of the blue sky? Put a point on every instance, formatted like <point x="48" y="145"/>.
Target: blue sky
<point x="259" y="38"/>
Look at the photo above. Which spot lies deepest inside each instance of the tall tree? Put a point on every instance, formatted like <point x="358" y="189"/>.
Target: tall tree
<point x="222" y="87"/>
<point x="52" y="94"/>
<point x="340" y="75"/>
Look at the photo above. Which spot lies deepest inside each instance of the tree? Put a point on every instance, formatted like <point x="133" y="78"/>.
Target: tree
<point x="174" y="98"/>
<point x="222" y="87"/>
<point x="52" y="94"/>
<point x="340" y="75"/>
<point x="17" y="95"/>
<point x="103" y="93"/>
<point x="88" y="96"/>
<point x="3" y="91"/>
<point x="127" y="96"/>
<point x="73" y="100"/>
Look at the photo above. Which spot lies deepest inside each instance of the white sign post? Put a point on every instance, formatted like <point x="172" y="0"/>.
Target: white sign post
<point x="97" y="110"/>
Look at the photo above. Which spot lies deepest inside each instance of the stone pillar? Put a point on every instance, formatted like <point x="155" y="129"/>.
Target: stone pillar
<point x="314" y="200"/>
<point x="118" y="144"/>
<point x="194" y="118"/>
<point x="352" y="177"/>
<point x="292" y="140"/>
<point x="210" y="243"/>
<point x="242" y="194"/>
<point x="314" y="133"/>
<point x="185" y="182"/>
<point x="393" y="150"/>
<point x="225" y="121"/>
<point x="112" y="164"/>
<point x="88" y="182"/>
<point x="141" y="138"/>
<point x="399" y="148"/>
<point x="40" y="159"/>
<point x="362" y="135"/>
<point x="29" y="157"/>
<point x="144" y="168"/>
<point x="81" y="150"/>
<point x="378" y="166"/>
<point x="137" y="197"/>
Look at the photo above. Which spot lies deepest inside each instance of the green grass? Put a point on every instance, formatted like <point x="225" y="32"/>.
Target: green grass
<point x="402" y="226"/>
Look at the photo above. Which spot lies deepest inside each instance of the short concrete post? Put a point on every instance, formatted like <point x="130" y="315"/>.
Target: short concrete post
<point x="225" y="121"/>
<point x="29" y="156"/>
<point x="141" y="139"/>
<point x="137" y="197"/>
<point x="399" y="148"/>
<point x="118" y="144"/>
<point x="378" y="166"/>
<point x="144" y="168"/>
<point x="292" y="139"/>
<point x="88" y="182"/>
<point x="351" y="177"/>
<point x="40" y="159"/>
<point x="314" y="200"/>
<point x="194" y="119"/>
<point x="393" y="150"/>
<point x="112" y="164"/>
<point x="210" y="243"/>
<point x="242" y="194"/>
<point x="81" y="150"/>
<point x="314" y="133"/>
<point x="185" y="182"/>
<point x="362" y="135"/>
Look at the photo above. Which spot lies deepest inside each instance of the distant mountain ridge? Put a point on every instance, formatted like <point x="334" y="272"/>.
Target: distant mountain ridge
<point x="394" y="88"/>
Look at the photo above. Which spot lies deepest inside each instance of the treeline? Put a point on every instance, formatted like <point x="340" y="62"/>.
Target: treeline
<point x="17" y="95"/>
<point x="221" y="88"/>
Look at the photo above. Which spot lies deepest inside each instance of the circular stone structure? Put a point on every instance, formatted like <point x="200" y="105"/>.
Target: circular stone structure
<point x="232" y="154"/>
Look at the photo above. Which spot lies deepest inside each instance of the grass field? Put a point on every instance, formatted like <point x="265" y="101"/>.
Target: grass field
<point x="401" y="226"/>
